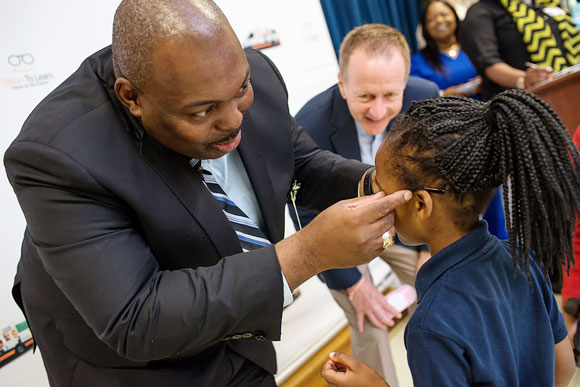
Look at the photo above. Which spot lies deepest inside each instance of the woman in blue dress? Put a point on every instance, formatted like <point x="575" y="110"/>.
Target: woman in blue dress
<point x="442" y="61"/>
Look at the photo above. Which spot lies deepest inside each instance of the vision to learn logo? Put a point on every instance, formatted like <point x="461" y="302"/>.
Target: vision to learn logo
<point x="23" y="74"/>
<point x="20" y="60"/>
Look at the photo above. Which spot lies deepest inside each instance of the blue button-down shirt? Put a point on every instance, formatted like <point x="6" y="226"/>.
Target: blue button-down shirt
<point x="231" y="175"/>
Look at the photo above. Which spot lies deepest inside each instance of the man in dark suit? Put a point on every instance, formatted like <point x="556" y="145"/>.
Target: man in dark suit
<point x="132" y="273"/>
<point x="351" y="119"/>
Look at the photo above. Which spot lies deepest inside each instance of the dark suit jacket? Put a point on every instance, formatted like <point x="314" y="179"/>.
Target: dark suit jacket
<point x="130" y="273"/>
<point x="328" y="121"/>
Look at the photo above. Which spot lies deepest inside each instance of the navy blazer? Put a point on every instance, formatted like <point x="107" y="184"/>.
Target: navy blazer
<point x="328" y="121"/>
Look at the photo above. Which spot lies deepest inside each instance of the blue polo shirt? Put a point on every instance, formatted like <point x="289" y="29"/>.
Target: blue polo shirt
<point x="476" y="324"/>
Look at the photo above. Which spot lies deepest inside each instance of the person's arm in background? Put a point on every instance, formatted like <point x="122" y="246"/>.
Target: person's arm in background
<point x="508" y="76"/>
<point x="422" y="68"/>
<point x="565" y="364"/>
<point x="370" y="303"/>
<point x="458" y="90"/>
<point x="478" y="39"/>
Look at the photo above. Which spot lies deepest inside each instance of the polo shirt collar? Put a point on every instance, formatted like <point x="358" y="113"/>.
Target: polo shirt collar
<point x="450" y="256"/>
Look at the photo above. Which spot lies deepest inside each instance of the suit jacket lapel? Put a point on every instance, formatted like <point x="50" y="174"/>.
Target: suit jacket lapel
<point x="344" y="138"/>
<point x="256" y="164"/>
<point x="188" y="186"/>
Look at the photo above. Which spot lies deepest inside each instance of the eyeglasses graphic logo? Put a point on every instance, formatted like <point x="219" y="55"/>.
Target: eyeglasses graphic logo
<point x="23" y="59"/>
<point x="24" y="73"/>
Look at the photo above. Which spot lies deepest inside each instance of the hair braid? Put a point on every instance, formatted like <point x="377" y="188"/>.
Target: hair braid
<point x="516" y="140"/>
<point x="548" y="156"/>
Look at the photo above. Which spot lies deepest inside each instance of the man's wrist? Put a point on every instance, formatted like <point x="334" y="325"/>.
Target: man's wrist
<point x="354" y="288"/>
<point x="294" y="270"/>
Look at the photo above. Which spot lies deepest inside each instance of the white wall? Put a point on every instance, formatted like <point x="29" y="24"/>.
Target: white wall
<point x="305" y="56"/>
<point x="59" y="34"/>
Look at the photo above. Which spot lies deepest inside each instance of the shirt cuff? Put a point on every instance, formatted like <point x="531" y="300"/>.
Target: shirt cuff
<point x="288" y="298"/>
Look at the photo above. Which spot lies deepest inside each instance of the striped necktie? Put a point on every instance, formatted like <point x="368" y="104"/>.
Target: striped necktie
<point x="249" y="234"/>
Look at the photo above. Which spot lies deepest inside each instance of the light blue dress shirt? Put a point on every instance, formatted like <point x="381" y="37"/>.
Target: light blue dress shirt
<point x="369" y="145"/>
<point x="231" y="175"/>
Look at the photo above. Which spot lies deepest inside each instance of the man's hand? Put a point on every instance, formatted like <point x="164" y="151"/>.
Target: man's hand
<point x="346" y="234"/>
<point x="344" y="370"/>
<point x="369" y="302"/>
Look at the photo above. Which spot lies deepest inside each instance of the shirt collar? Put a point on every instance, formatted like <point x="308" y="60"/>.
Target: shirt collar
<point x="362" y="135"/>
<point x="368" y="144"/>
<point x="449" y="257"/>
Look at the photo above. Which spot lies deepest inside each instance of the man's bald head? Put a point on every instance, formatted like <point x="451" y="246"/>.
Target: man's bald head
<point x="141" y="24"/>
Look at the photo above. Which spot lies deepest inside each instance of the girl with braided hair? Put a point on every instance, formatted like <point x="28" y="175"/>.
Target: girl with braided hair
<point x="486" y="313"/>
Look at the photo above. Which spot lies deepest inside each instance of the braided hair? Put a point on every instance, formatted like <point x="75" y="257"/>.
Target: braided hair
<point x="469" y="148"/>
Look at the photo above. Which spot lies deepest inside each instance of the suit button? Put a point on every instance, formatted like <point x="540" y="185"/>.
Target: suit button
<point x="260" y="338"/>
<point x="226" y="338"/>
<point x="247" y="335"/>
<point x="236" y="336"/>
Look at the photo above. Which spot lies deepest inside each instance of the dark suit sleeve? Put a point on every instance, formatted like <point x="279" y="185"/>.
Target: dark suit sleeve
<point x="90" y="243"/>
<point x="340" y="279"/>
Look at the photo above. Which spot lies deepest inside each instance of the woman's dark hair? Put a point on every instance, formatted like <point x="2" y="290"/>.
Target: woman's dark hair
<point x="469" y="148"/>
<point x="431" y="51"/>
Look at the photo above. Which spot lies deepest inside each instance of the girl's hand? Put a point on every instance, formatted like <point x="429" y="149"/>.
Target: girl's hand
<point x="344" y="370"/>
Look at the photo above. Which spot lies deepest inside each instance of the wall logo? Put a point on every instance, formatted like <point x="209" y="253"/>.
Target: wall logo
<point x="19" y="60"/>
<point x="23" y="71"/>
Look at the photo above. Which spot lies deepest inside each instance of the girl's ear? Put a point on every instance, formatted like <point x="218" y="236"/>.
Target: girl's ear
<point x="423" y="204"/>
